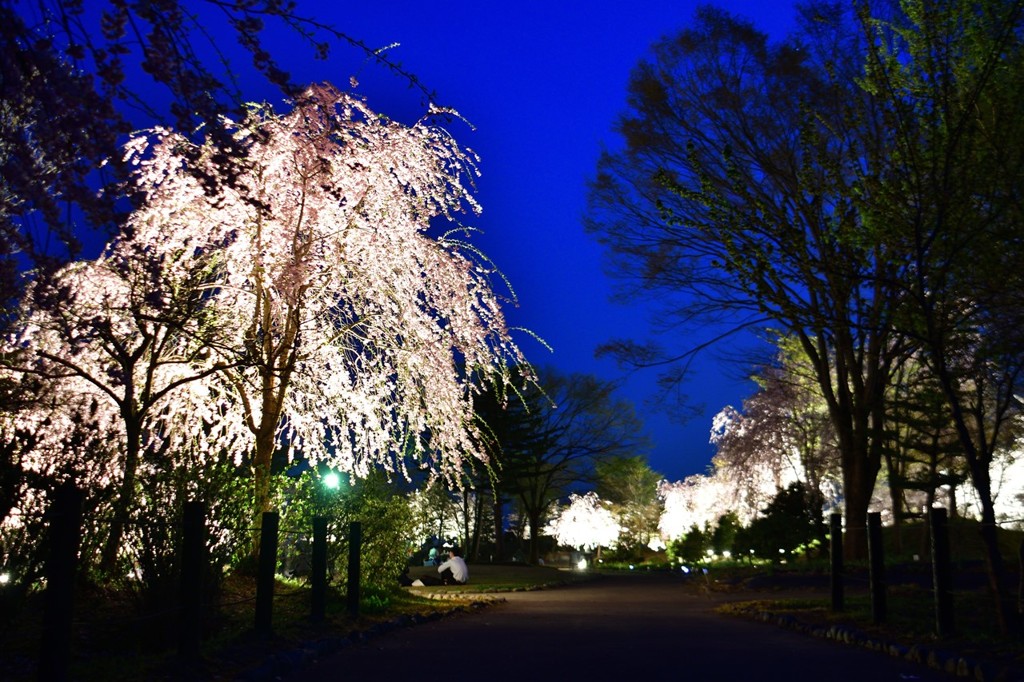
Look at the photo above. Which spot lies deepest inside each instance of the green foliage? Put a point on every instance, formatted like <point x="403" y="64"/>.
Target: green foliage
<point x="724" y="536"/>
<point x="148" y="563"/>
<point x="790" y="525"/>
<point x="376" y="503"/>
<point x="691" y="547"/>
<point x="375" y="599"/>
<point x="631" y="488"/>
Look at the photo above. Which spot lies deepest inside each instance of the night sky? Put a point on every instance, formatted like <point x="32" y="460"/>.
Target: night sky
<point x="542" y="83"/>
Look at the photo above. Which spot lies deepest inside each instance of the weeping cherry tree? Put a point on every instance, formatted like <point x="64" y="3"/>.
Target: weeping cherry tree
<point x="355" y="333"/>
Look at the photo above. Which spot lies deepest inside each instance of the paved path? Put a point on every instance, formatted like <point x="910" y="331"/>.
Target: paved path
<point x="633" y="627"/>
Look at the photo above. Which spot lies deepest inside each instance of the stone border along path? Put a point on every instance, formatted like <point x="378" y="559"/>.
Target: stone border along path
<point x="934" y="658"/>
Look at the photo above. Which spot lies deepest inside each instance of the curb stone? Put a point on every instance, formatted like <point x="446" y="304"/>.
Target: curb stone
<point x="960" y="666"/>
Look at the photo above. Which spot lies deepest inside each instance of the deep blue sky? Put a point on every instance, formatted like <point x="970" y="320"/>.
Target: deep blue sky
<point x="543" y="83"/>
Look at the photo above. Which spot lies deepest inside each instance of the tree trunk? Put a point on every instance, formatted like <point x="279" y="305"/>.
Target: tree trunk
<point x="534" y="522"/>
<point x="262" y="501"/>
<point x="896" y="500"/>
<point x="465" y="522"/>
<point x="499" y="528"/>
<point x="994" y="563"/>
<point x="478" y="520"/>
<point x="858" y="484"/>
<point x="125" y="496"/>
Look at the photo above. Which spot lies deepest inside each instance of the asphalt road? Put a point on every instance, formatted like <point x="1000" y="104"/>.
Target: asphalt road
<point x="631" y="627"/>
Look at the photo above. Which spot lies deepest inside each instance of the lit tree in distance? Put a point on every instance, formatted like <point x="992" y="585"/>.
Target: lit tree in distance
<point x="352" y="335"/>
<point x="585" y="524"/>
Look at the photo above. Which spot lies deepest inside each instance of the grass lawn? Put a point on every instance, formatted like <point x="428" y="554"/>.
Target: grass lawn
<point x="489" y="578"/>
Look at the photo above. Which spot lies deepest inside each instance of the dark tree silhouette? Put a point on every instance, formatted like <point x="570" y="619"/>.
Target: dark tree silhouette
<point x="735" y="199"/>
<point x="549" y="437"/>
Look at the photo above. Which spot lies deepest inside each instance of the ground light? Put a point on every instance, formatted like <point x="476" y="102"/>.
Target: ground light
<point x="5" y="578"/>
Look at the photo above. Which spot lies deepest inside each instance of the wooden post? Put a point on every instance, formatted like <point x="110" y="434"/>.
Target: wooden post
<point x="355" y="541"/>
<point x="942" y="574"/>
<point x="318" y="577"/>
<point x="876" y="555"/>
<point x="61" y="566"/>
<point x="193" y="559"/>
<point x="836" y="536"/>
<point x="1020" y="586"/>
<point x="265" y="573"/>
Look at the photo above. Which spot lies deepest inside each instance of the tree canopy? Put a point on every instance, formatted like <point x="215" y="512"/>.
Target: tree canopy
<point x="308" y="307"/>
<point x="734" y="199"/>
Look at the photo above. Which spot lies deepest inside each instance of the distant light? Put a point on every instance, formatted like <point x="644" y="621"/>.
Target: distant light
<point x="332" y="480"/>
<point x="781" y="551"/>
<point x="631" y="567"/>
<point x="727" y="554"/>
<point x="5" y="578"/>
<point x="686" y="569"/>
<point x="581" y="564"/>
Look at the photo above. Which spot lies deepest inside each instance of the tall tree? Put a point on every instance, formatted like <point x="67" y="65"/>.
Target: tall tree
<point x="947" y="191"/>
<point x="566" y="424"/>
<point x="630" y="487"/>
<point x="120" y="339"/>
<point x="733" y="199"/>
<point x="348" y="332"/>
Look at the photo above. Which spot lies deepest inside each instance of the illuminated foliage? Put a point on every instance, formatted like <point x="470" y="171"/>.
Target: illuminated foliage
<point x="118" y="346"/>
<point x="79" y="76"/>
<point x="555" y="436"/>
<point x="783" y="434"/>
<point x="698" y="501"/>
<point x="354" y="336"/>
<point x="630" y="487"/>
<point x="586" y="523"/>
<point x="307" y="307"/>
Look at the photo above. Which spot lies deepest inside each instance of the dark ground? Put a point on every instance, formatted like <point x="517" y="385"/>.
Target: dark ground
<point x="626" y="626"/>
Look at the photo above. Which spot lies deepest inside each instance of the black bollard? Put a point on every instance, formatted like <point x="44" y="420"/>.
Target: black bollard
<point x="942" y="573"/>
<point x="61" y="565"/>
<point x="265" y="573"/>
<point x="193" y="557"/>
<point x="836" y="536"/>
<point x="1020" y="586"/>
<point x="355" y="541"/>
<point x="876" y="556"/>
<point x="318" y="577"/>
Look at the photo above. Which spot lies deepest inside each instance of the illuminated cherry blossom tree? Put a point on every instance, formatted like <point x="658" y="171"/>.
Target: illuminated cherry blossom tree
<point x="353" y="334"/>
<point x="697" y="501"/>
<point x="586" y="523"/>
<point x="119" y="347"/>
